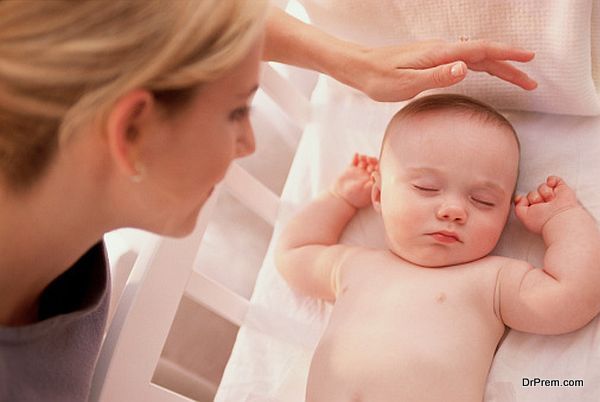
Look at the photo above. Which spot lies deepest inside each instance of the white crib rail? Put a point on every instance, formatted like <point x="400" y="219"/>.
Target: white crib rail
<point x="143" y="318"/>
<point x="289" y="98"/>
<point x="252" y="193"/>
<point x="163" y="272"/>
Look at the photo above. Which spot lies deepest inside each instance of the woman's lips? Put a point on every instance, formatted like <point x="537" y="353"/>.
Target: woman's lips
<point x="445" y="237"/>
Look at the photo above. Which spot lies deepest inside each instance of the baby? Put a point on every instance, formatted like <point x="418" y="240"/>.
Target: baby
<point x="421" y="319"/>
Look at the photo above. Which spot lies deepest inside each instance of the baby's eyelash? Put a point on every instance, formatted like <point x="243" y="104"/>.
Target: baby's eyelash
<point x="486" y="203"/>
<point x="424" y="188"/>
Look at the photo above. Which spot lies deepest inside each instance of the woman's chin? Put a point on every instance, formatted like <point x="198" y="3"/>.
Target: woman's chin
<point x="184" y="226"/>
<point x="179" y="225"/>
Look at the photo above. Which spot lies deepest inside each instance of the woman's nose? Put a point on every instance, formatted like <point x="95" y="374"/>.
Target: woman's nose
<point x="245" y="144"/>
<point x="454" y="212"/>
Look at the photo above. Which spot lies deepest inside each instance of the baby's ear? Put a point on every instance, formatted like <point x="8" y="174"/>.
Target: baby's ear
<point x="376" y="192"/>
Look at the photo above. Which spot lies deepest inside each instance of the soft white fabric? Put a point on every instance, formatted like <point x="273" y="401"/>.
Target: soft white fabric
<point x="271" y="357"/>
<point x="567" y="44"/>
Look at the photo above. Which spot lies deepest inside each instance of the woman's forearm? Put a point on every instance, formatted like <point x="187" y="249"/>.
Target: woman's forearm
<point x="291" y="41"/>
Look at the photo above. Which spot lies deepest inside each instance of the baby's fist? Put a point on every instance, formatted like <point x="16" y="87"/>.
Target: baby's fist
<point x="354" y="185"/>
<point x="548" y="200"/>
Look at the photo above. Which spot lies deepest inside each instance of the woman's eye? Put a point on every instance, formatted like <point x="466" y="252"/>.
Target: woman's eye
<point x="483" y="202"/>
<point x="425" y="188"/>
<point x="239" y="114"/>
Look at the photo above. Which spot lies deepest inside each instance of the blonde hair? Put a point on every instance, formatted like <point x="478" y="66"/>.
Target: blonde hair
<point x="65" y="63"/>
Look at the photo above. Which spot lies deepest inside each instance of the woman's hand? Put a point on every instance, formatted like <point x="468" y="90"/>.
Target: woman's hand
<point x="392" y="73"/>
<point x="396" y="73"/>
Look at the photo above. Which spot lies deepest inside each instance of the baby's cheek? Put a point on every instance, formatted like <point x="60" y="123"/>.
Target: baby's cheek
<point x="490" y="234"/>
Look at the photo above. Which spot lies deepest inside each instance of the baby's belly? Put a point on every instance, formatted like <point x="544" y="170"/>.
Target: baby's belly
<point x="391" y="353"/>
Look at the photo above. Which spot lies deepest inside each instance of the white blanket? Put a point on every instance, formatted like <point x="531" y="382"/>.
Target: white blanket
<point x="271" y="356"/>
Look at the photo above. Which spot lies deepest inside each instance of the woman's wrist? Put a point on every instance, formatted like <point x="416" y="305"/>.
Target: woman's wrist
<point x="343" y="61"/>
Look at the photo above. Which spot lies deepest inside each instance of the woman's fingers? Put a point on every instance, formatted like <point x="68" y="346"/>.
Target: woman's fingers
<point x="474" y="51"/>
<point x="486" y="56"/>
<point x="416" y="81"/>
<point x="506" y="72"/>
<point x="450" y="74"/>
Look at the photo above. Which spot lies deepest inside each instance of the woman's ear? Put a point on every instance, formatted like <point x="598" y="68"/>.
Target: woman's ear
<point x="127" y="121"/>
<point x="376" y="192"/>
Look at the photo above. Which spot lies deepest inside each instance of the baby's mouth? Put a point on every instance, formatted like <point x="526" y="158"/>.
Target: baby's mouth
<point x="444" y="236"/>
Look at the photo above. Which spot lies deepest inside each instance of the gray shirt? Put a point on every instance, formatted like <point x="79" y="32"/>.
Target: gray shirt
<point x="53" y="359"/>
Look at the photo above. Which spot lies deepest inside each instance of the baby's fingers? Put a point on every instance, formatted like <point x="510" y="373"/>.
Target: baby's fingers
<point x="363" y="162"/>
<point x="521" y="206"/>
<point x="521" y="201"/>
<point x="554" y="181"/>
<point x="534" y="197"/>
<point x="373" y="164"/>
<point x="367" y="163"/>
<point x="545" y="192"/>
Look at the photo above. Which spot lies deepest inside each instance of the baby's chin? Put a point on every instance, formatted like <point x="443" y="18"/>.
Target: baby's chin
<point x="436" y="261"/>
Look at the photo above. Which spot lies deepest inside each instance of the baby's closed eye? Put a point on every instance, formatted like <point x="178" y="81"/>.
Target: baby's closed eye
<point x="483" y="199"/>
<point x="426" y="187"/>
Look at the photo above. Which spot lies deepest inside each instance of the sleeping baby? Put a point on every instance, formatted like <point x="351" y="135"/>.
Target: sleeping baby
<point x="421" y="319"/>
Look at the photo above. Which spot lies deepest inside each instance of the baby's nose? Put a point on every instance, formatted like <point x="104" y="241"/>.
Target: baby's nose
<point x="452" y="212"/>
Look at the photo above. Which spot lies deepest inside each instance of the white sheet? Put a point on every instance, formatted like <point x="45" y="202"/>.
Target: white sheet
<point x="272" y="353"/>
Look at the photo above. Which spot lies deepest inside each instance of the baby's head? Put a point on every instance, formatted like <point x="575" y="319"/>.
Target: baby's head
<point x="448" y="171"/>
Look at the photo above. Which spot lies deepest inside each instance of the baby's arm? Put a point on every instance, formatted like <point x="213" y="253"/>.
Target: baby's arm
<point x="565" y="294"/>
<point x="307" y="253"/>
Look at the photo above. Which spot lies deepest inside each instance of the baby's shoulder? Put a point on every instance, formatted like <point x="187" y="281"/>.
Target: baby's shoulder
<point x="489" y="263"/>
<point x="359" y="261"/>
<point x="486" y="267"/>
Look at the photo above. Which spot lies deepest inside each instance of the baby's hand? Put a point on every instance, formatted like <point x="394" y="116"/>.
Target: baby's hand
<point x="539" y="206"/>
<point x="354" y="185"/>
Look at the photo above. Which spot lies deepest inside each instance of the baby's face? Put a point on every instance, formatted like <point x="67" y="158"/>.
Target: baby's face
<point x="446" y="187"/>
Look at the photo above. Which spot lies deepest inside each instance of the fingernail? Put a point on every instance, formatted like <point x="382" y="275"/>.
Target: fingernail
<point x="457" y="70"/>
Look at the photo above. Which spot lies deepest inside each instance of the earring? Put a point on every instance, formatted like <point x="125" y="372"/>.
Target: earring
<point x="139" y="173"/>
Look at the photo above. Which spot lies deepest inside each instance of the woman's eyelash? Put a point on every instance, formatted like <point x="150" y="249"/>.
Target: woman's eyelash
<point x="239" y="113"/>
<point x="424" y="188"/>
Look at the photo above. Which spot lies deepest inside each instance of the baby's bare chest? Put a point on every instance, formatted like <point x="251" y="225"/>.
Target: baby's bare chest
<point x="416" y="303"/>
<point x="412" y="324"/>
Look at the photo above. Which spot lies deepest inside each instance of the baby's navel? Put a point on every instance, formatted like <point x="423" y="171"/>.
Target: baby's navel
<point x="441" y="297"/>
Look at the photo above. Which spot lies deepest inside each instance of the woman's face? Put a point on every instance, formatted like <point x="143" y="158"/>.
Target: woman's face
<point x="189" y="153"/>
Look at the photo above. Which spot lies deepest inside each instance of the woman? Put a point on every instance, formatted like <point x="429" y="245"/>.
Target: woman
<point x="112" y="114"/>
<point x="126" y="114"/>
